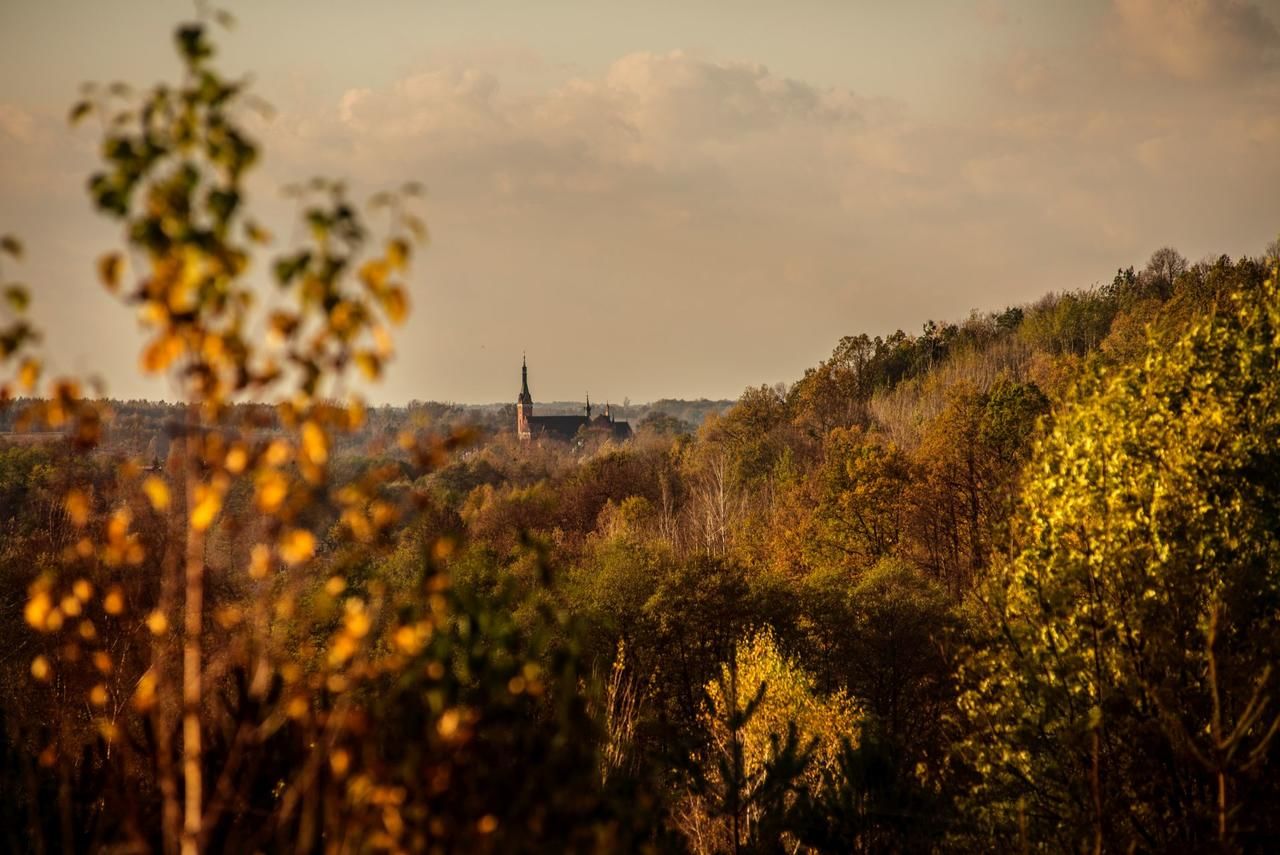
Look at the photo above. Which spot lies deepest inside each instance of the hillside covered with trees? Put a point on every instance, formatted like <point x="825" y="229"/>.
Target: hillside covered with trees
<point x="1011" y="581"/>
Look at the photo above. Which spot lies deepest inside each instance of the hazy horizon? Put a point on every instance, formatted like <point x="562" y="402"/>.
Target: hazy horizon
<point x="640" y="198"/>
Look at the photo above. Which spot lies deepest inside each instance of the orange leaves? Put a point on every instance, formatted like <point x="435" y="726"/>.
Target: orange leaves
<point x="38" y="609"/>
<point x="157" y="492"/>
<point x="271" y="489"/>
<point x="29" y="374"/>
<point x="77" y="506"/>
<point x="296" y="546"/>
<point x="356" y="622"/>
<point x="161" y="352"/>
<point x="208" y="502"/>
<point x="315" y="448"/>
<point x="157" y="622"/>
<point x="122" y="547"/>
<point x="259" y="561"/>
<point x="144" y="694"/>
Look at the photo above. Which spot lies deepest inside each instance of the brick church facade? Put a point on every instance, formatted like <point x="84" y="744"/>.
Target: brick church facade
<point x="563" y="428"/>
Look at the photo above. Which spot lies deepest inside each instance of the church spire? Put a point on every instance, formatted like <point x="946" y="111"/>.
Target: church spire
<point x="588" y="406"/>
<point x="524" y="404"/>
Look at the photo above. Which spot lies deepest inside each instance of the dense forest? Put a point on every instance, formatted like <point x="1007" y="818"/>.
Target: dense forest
<point x="1011" y="581"/>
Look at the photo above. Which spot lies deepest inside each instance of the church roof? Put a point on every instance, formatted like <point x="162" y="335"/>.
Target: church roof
<point x="567" y="427"/>
<point x="562" y="427"/>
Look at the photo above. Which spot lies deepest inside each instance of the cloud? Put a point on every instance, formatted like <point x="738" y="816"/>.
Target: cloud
<point x="1195" y="40"/>
<point x="684" y="208"/>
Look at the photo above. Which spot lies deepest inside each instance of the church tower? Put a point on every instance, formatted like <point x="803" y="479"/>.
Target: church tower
<point x="524" y="404"/>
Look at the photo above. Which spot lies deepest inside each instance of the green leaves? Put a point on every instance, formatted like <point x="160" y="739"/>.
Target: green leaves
<point x="1137" y="621"/>
<point x="17" y="297"/>
<point x="192" y="44"/>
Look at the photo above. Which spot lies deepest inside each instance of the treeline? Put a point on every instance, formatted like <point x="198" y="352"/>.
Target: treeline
<point x="144" y="429"/>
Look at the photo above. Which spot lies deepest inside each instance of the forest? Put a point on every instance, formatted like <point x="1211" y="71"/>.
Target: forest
<point x="1010" y="581"/>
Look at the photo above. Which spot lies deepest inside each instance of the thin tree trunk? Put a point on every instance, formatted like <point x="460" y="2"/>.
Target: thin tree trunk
<point x="193" y="624"/>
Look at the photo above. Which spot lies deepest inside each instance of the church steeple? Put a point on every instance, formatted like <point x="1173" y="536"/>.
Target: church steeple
<point x="588" y="406"/>
<point x="524" y="404"/>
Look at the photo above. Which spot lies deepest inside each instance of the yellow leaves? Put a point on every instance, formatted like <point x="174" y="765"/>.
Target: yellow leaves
<point x="77" y="506"/>
<point x="382" y="344"/>
<point x="447" y="726"/>
<point x="236" y="460"/>
<point x="315" y="443"/>
<point x="271" y="489"/>
<point x="118" y="526"/>
<point x="339" y="762"/>
<point x="144" y="694"/>
<point x="113" y="602"/>
<point x="369" y="364"/>
<point x="358" y="523"/>
<point x="396" y="304"/>
<point x="83" y="590"/>
<point x="410" y="639"/>
<point x="207" y="505"/>
<point x="38" y="609"/>
<point x="98" y="695"/>
<point x="342" y="649"/>
<point x="163" y="350"/>
<point x="356" y="414"/>
<point x="374" y="274"/>
<point x="278" y="453"/>
<point x="356" y="621"/>
<point x="296" y="546"/>
<point x="398" y="253"/>
<point x="259" y="561"/>
<point x="109" y="271"/>
<point x="157" y="623"/>
<point x="157" y="492"/>
<point x="29" y="374"/>
<point x="41" y="669"/>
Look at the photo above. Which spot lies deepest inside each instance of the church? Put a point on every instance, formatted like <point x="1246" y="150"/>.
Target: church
<point x="563" y="428"/>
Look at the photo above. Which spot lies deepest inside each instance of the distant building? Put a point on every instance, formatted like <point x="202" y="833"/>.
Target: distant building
<point x="564" y="428"/>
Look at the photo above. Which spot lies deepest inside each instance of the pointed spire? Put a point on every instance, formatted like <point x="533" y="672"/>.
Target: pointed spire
<point x="588" y="406"/>
<point x="524" y="377"/>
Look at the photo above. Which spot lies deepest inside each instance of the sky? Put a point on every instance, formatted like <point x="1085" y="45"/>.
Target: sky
<point x="681" y="199"/>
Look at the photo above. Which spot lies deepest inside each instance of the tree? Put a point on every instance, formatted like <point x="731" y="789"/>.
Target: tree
<point x="258" y="647"/>
<point x="771" y="736"/>
<point x="1124" y="697"/>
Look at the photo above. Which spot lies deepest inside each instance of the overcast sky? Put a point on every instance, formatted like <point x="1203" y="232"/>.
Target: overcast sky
<point x="681" y="199"/>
